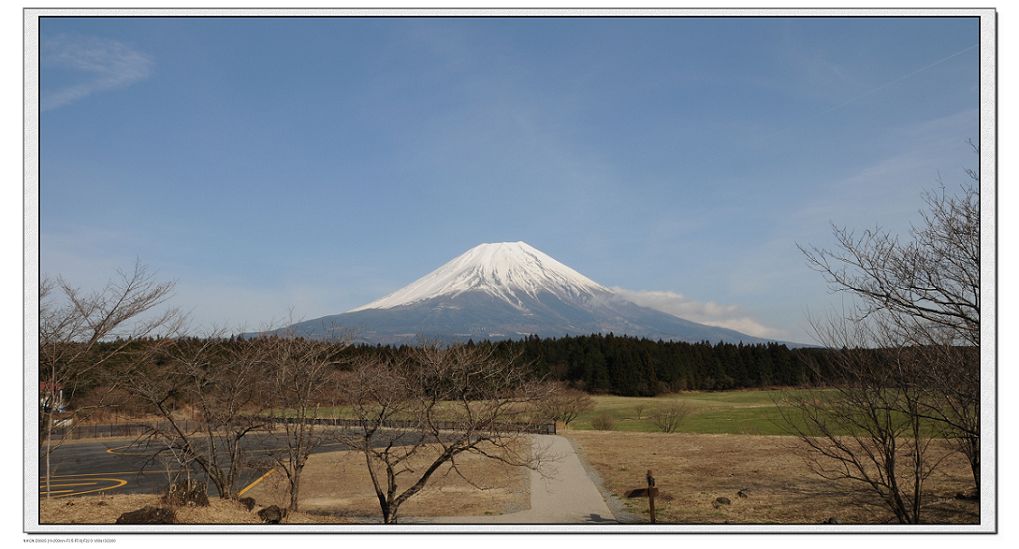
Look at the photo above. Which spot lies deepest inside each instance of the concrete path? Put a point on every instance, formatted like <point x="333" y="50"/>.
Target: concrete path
<point x="564" y="495"/>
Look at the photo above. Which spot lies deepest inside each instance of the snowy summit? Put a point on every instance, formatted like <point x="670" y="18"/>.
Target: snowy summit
<point x="510" y="271"/>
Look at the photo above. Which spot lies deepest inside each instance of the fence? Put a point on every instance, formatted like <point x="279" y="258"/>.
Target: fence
<point x="117" y="429"/>
<point x="101" y="430"/>
<point x="109" y="430"/>
<point x="537" y="429"/>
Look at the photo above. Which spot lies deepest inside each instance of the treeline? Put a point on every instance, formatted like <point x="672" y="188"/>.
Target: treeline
<point x="630" y="366"/>
<point x="641" y="367"/>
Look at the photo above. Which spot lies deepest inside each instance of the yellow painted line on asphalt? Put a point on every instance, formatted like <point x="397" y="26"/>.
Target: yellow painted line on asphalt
<point x="89" y="474"/>
<point x="255" y="482"/>
<point x="100" y="481"/>
<point x="115" y="451"/>
<point x="117" y="483"/>
<point x="258" y="480"/>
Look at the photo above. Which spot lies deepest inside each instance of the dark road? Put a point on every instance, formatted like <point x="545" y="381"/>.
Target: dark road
<point x="117" y="466"/>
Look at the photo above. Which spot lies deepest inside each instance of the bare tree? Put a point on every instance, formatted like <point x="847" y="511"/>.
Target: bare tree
<point x="81" y="334"/>
<point x="669" y="418"/>
<point x="208" y="394"/>
<point x="438" y="405"/>
<point x="950" y="380"/>
<point x="300" y="381"/>
<point x="639" y="409"/>
<point x="867" y="426"/>
<point x="926" y="291"/>
<point x="603" y="422"/>
<point x="565" y="404"/>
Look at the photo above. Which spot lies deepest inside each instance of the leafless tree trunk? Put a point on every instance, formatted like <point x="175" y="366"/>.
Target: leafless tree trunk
<point x="565" y="404"/>
<point x="926" y="291"/>
<point x="81" y="335"/>
<point x="455" y="400"/>
<point x="220" y="383"/>
<point x="638" y="410"/>
<point x="300" y="380"/>
<point x="867" y="425"/>
<point x="669" y="418"/>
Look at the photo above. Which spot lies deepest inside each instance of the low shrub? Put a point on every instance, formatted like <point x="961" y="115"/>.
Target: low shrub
<point x="603" y="422"/>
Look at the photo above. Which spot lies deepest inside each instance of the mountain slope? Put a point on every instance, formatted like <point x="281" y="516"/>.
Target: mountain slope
<point x="505" y="291"/>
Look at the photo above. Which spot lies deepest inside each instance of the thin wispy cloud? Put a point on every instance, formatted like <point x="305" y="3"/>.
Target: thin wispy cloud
<point x="97" y="64"/>
<point x="887" y="191"/>
<point x="898" y="79"/>
<point x="704" y="312"/>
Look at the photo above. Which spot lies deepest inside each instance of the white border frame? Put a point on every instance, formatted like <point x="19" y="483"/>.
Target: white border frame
<point x="988" y="268"/>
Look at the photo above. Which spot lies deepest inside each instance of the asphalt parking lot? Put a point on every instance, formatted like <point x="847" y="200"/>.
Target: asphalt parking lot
<point x="123" y="466"/>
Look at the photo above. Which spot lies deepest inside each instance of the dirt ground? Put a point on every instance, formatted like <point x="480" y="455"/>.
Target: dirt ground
<point x="692" y="470"/>
<point x="338" y="484"/>
<point x="105" y="510"/>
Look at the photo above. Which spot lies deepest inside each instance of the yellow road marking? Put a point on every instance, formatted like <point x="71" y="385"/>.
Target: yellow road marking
<point x="115" y="452"/>
<point x="113" y="484"/>
<point x="118" y="483"/>
<point x="71" y="476"/>
<point x="256" y="482"/>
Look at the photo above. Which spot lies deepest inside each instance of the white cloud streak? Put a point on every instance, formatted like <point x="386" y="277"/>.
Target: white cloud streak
<point x="102" y="64"/>
<point x="706" y="312"/>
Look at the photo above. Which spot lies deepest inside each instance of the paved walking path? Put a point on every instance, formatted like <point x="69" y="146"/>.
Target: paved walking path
<point x="566" y="495"/>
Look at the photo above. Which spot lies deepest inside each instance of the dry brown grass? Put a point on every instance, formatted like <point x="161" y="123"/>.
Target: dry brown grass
<point x="338" y="484"/>
<point x="691" y="470"/>
<point x="105" y="510"/>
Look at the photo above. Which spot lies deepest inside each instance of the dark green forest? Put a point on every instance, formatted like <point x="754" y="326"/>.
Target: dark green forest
<point x="610" y="364"/>
<point x="630" y="366"/>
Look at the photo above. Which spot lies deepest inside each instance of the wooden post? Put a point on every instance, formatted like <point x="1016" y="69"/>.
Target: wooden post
<point x="651" y="494"/>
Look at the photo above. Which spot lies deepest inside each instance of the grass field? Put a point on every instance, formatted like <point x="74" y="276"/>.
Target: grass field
<point x="739" y="412"/>
<point x="751" y="412"/>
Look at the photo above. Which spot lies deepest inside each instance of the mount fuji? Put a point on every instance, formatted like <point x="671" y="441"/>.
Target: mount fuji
<point x="506" y="290"/>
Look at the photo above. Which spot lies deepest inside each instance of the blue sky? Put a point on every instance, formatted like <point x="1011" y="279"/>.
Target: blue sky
<point x="317" y="164"/>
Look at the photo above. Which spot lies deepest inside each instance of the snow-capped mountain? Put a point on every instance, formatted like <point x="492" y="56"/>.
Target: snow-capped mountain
<point x="505" y="290"/>
<point x="508" y="271"/>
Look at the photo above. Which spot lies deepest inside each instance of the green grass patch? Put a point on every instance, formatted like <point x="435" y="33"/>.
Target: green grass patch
<point x="735" y="412"/>
<point x="744" y="412"/>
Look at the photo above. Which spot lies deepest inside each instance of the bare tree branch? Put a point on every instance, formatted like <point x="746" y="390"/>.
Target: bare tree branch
<point x="453" y="400"/>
